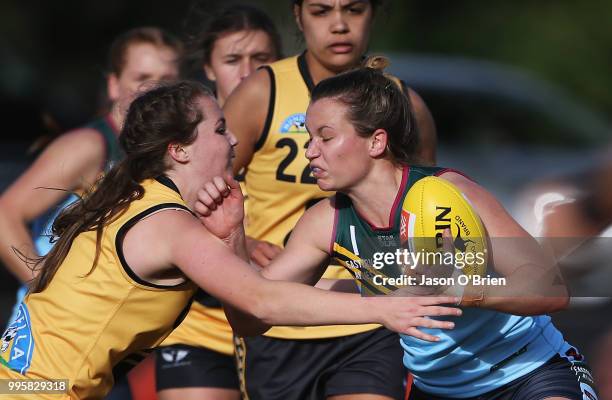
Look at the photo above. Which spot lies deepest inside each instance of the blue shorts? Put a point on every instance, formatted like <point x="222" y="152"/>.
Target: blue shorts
<point x="564" y="375"/>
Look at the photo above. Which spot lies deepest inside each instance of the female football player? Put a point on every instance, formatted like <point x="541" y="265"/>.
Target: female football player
<point x="129" y="255"/>
<point x="267" y="113"/>
<point x="233" y="43"/>
<point x="503" y="346"/>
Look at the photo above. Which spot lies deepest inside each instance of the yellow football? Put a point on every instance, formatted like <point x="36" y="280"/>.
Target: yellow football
<point x="432" y="205"/>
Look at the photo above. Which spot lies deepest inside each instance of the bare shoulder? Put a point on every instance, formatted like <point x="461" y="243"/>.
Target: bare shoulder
<point x="428" y="136"/>
<point x="415" y="99"/>
<point x="322" y="211"/>
<point x="496" y="219"/>
<point x="246" y="110"/>
<point x="478" y="195"/>
<point x="84" y="148"/>
<point x="421" y="110"/>
<point x="71" y="162"/>
<point x="253" y="94"/>
<point x="465" y="184"/>
<point x="157" y="242"/>
<point x="255" y="85"/>
<point x="87" y="137"/>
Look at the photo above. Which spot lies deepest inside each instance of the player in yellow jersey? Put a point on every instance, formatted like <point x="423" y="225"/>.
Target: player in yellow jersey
<point x="197" y="359"/>
<point x="267" y="114"/>
<point x="130" y="254"/>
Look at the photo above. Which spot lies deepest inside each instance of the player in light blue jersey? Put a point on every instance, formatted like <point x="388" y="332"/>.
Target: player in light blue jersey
<point x="503" y="346"/>
<point x="75" y="160"/>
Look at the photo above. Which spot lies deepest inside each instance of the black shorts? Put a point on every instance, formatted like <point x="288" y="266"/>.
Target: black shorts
<point x="180" y="366"/>
<point x="279" y="369"/>
<point x="558" y="377"/>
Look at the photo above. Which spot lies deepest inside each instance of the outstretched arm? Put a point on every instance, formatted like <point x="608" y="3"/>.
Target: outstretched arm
<point x="59" y="167"/>
<point x="533" y="281"/>
<point x="277" y="302"/>
<point x="288" y="303"/>
<point x="174" y="238"/>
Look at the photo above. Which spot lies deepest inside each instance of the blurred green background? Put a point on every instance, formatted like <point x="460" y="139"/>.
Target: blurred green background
<point x="53" y="53"/>
<point x="53" y="58"/>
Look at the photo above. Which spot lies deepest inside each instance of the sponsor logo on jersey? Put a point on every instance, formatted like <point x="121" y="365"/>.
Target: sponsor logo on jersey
<point x="295" y="123"/>
<point x="407" y="222"/>
<point x="17" y="342"/>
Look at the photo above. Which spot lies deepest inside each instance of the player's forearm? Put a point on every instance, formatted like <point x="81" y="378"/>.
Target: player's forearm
<point x="237" y="242"/>
<point x="338" y="285"/>
<point x="244" y="323"/>
<point x="14" y="235"/>
<point x="530" y="290"/>
<point x="530" y="283"/>
<point x="287" y="303"/>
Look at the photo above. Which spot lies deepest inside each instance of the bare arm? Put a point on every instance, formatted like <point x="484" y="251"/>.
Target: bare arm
<point x="309" y="246"/>
<point x="532" y="276"/>
<point x="173" y="237"/>
<point x="585" y="217"/>
<point x="305" y="256"/>
<point x="428" y="139"/>
<point x="245" y="111"/>
<point x="71" y="162"/>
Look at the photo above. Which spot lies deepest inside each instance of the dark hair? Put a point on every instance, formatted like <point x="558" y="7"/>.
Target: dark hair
<point x="166" y="114"/>
<point x="155" y="36"/>
<point x="233" y="18"/>
<point x="374" y="3"/>
<point x="375" y="101"/>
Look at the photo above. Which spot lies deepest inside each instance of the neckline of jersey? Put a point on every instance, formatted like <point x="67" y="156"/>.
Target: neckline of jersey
<point x="304" y="71"/>
<point x="167" y="182"/>
<point x="393" y="214"/>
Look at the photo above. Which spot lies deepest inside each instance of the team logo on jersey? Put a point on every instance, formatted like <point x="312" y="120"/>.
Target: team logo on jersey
<point x="17" y="342"/>
<point x="407" y="222"/>
<point x="8" y="336"/>
<point x="295" y="123"/>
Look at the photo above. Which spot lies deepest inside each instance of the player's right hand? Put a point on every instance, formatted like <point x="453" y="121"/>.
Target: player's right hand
<point x="406" y="315"/>
<point x="220" y="206"/>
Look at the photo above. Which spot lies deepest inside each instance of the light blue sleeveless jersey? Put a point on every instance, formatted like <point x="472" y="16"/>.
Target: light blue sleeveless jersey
<point x="41" y="227"/>
<point x="486" y="350"/>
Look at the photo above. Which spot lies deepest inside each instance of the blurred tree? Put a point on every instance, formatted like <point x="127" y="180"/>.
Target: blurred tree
<point x="54" y="53"/>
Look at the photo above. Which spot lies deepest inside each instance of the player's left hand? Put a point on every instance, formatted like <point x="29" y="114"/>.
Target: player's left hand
<point x="220" y="206"/>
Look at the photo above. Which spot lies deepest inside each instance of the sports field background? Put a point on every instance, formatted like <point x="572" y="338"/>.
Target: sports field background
<point x="52" y="63"/>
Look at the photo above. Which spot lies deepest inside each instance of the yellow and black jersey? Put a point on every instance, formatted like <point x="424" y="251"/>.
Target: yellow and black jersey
<point x="91" y="323"/>
<point x="279" y="180"/>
